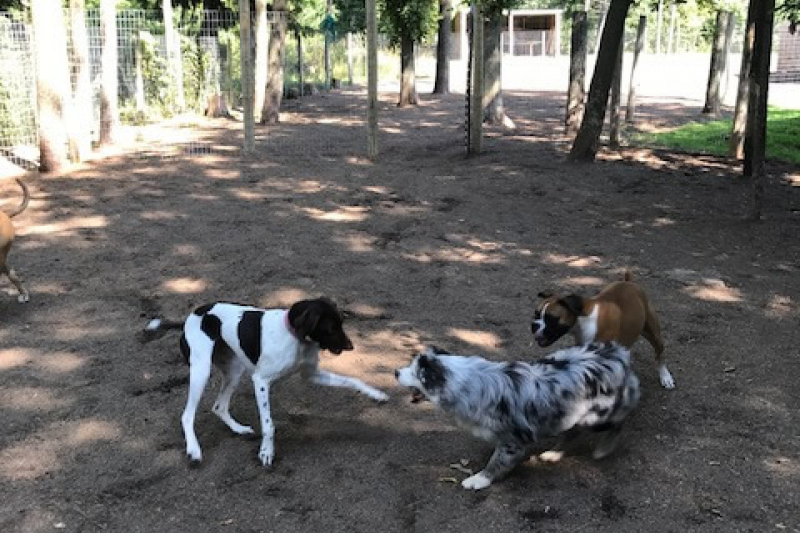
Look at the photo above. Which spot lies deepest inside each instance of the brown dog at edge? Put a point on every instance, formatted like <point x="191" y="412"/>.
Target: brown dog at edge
<point x="7" y="239"/>
<point x="619" y="313"/>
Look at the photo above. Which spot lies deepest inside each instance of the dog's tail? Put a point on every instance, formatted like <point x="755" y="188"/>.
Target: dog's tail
<point x="156" y="327"/>
<point x="628" y="275"/>
<point x="26" y="196"/>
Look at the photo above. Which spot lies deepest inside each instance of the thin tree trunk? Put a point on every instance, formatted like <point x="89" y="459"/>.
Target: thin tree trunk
<point x="138" y="80"/>
<point x="442" y="83"/>
<point x="327" y="51"/>
<point x="586" y="142"/>
<point x="372" y="79"/>
<point x="81" y="130"/>
<point x="173" y="54"/>
<point x="477" y="101"/>
<point x="616" y="97"/>
<point x="659" y="25"/>
<point x="601" y="28"/>
<point x="248" y="76"/>
<point x="736" y="148"/>
<point x="641" y="37"/>
<point x="274" y="91"/>
<point x="576" y="92"/>
<point x="262" y="38"/>
<point x="300" y="68"/>
<point x="712" y="104"/>
<point x="408" y="90"/>
<point x="762" y="13"/>
<point x="673" y="12"/>
<point x="495" y="112"/>
<point x="109" y="97"/>
<point x="52" y="83"/>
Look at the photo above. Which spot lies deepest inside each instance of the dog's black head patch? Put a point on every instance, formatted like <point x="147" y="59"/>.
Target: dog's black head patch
<point x="320" y="321"/>
<point x="431" y="372"/>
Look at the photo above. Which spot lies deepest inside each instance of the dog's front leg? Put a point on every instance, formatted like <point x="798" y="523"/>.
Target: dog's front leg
<point x="267" y="452"/>
<point x="329" y="379"/>
<point x="505" y="457"/>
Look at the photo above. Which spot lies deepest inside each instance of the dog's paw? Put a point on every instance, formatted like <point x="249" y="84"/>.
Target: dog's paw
<point x="666" y="378"/>
<point x="194" y="455"/>
<point x="266" y="455"/>
<point x="477" y="482"/>
<point x="379" y="396"/>
<point x="551" y="456"/>
<point x="23" y="298"/>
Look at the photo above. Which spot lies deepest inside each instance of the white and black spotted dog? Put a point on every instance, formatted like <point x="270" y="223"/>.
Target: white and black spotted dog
<point x="515" y="404"/>
<point x="269" y="345"/>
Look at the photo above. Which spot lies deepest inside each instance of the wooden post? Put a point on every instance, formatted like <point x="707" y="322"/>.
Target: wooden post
<point x="616" y="96"/>
<point x="712" y="104"/>
<point x="736" y="148"/>
<point x="262" y="31"/>
<point x="247" y="75"/>
<point x="641" y="38"/>
<point x="673" y="12"/>
<point x="576" y="92"/>
<point x="476" y="94"/>
<point x="730" y="25"/>
<point x="349" y="49"/>
<point x="300" y="68"/>
<point x="762" y="13"/>
<point x="372" y="80"/>
<point x="327" y="50"/>
<point x="138" y="59"/>
<point x="81" y="129"/>
<point x="659" y="25"/>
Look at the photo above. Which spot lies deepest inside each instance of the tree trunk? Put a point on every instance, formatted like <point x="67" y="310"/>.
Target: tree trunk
<point x="495" y="112"/>
<point x="442" y="83"/>
<point x="270" y="113"/>
<point x="327" y="51"/>
<point x="262" y="38"/>
<point x="300" y="68"/>
<point x="408" y="90"/>
<point x="762" y="13"/>
<point x="476" y="94"/>
<point x="616" y="97"/>
<point x="673" y="12"/>
<point x="109" y="106"/>
<point x="641" y="35"/>
<point x="372" y="79"/>
<point x="81" y="129"/>
<point x="576" y="92"/>
<point x="736" y="148"/>
<point x="718" y="58"/>
<point x="52" y="83"/>
<point x="659" y="25"/>
<point x="586" y="142"/>
<point x="172" y="44"/>
<point x="248" y="76"/>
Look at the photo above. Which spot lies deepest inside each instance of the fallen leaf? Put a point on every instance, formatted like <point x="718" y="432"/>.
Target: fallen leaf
<point x="448" y="480"/>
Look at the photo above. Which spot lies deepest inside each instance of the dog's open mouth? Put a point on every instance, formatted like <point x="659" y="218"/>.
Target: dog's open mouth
<point x="416" y="395"/>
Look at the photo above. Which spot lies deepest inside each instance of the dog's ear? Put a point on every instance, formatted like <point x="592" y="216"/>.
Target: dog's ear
<point x="545" y="295"/>
<point x="573" y="303"/>
<point x="304" y="317"/>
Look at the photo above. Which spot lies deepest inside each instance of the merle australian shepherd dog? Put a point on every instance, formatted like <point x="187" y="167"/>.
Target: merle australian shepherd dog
<point x="515" y="404"/>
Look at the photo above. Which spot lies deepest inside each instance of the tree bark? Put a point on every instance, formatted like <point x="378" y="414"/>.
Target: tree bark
<point x="109" y="85"/>
<point x="736" y="148"/>
<point x="262" y="38"/>
<point x="349" y="49"/>
<point x="372" y="79"/>
<point x="586" y="142"/>
<point x="52" y="83"/>
<point x="81" y="129"/>
<point x="327" y="51"/>
<point x="495" y="112"/>
<point x="300" y="68"/>
<point x="616" y="97"/>
<point x="477" y="101"/>
<point x="270" y="114"/>
<point x="408" y="90"/>
<point x="442" y="83"/>
<point x="641" y="35"/>
<point x="718" y="60"/>
<point x="248" y="77"/>
<point x="762" y="13"/>
<point x="576" y="92"/>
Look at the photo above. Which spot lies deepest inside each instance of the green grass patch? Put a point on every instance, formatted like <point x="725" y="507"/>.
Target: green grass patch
<point x="783" y="136"/>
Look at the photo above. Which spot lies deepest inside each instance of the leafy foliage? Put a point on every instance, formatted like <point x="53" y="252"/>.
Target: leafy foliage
<point x="414" y="20"/>
<point x="350" y="16"/>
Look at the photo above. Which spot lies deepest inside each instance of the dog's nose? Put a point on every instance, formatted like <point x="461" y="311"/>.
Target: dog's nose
<point x="396" y="374"/>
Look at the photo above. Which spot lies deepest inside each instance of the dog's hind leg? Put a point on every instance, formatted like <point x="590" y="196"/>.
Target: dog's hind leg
<point x="200" y="349"/>
<point x="267" y="452"/>
<point x="652" y="332"/>
<point x="329" y="379"/>
<point x="23" y="293"/>
<point x="232" y="374"/>
<point x="505" y="457"/>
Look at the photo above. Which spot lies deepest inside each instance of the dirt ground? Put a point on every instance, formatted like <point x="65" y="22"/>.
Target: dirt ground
<point x="422" y="246"/>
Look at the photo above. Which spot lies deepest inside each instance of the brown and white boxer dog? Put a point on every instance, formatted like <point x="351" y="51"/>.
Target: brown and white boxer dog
<point x="620" y="313"/>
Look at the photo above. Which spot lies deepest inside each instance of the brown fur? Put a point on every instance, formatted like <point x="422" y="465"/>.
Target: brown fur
<point x="7" y="239"/>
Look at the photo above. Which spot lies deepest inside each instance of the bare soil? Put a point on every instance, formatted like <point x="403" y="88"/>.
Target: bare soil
<point x="423" y="246"/>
